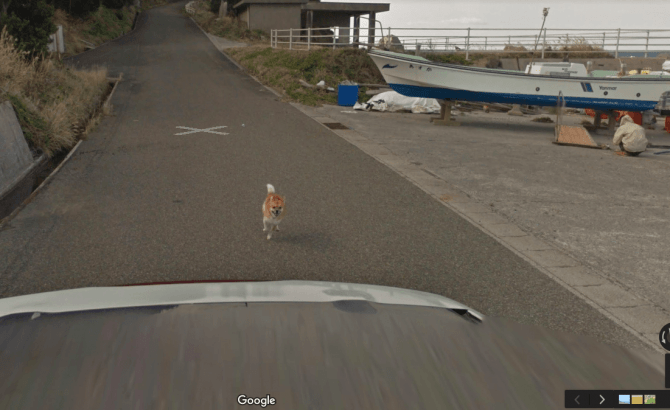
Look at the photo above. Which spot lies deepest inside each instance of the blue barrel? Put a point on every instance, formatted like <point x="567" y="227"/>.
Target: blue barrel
<point x="347" y="95"/>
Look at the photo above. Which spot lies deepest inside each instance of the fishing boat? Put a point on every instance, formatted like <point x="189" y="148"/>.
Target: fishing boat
<point x="415" y="76"/>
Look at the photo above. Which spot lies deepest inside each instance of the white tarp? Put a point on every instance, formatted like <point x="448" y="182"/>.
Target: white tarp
<point x="392" y="101"/>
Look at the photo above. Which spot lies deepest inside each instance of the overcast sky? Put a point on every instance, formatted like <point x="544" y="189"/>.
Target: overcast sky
<point x="566" y="14"/>
<point x="653" y="14"/>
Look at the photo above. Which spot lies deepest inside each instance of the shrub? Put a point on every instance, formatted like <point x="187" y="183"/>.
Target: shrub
<point x="30" y="24"/>
<point x="215" y="6"/>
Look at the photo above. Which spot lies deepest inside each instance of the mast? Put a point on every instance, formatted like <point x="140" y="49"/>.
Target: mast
<point x="545" y="12"/>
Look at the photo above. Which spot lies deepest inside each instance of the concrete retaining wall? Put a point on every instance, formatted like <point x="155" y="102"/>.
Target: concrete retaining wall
<point x="16" y="161"/>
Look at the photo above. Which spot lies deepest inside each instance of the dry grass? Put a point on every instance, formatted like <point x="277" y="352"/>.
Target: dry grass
<point x="96" y="29"/>
<point x="53" y="102"/>
<point x="577" y="48"/>
<point x="228" y="27"/>
<point x="282" y="69"/>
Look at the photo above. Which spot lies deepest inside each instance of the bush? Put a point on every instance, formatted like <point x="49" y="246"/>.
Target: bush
<point x="116" y="4"/>
<point x="30" y="24"/>
<point x="78" y="8"/>
<point x="215" y="6"/>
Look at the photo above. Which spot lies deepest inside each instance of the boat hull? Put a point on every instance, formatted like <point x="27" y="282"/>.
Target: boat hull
<point x="415" y="77"/>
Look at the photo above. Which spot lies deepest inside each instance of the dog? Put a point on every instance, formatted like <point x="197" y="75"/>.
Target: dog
<point x="274" y="210"/>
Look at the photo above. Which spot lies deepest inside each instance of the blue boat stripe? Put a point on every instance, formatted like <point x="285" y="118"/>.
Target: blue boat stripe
<point x="589" y="88"/>
<point x="526" y="99"/>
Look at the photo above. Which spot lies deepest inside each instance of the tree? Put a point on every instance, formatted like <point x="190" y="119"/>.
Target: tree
<point x="4" y="5"/>
<point x="30" y="23"/>
<point x="214" y="6"/>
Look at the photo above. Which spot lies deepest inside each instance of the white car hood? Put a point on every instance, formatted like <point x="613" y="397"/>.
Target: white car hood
<point x="82" y="299"/>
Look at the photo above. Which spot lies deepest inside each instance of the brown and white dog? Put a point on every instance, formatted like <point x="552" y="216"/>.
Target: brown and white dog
<point x="274" y="210"/>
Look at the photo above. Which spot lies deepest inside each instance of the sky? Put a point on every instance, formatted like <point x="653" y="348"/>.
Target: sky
<point x="652" y="14"/>
<point x="482" y="14"/>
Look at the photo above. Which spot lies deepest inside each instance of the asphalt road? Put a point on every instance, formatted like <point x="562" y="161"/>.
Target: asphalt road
<point x="137" y="203"/>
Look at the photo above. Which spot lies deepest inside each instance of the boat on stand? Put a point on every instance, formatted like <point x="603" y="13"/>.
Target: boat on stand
<point x="415" y="76"/>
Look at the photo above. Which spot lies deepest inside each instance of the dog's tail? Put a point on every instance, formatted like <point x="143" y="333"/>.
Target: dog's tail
<point x="271" y="189"/>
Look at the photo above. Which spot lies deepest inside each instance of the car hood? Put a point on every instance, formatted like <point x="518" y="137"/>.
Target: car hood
<point x="95" y="298"/>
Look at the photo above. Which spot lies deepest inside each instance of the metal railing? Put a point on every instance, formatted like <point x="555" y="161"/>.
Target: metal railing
<point x="469" y="40"/>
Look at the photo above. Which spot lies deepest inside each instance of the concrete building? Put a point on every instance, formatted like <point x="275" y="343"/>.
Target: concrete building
<point x="268" y="15"/>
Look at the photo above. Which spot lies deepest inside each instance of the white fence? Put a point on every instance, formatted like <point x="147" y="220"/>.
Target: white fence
<point x="469" y="40"/>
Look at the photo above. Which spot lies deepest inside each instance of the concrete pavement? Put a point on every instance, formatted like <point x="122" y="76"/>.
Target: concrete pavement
<point x="138" y="203"/>
<point x="593" y="221"/>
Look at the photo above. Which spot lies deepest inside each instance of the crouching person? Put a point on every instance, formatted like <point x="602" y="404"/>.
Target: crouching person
<point x="630" y="137"/>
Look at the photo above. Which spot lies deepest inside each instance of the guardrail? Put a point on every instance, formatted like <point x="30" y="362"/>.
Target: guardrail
<point x="469" y="40"/>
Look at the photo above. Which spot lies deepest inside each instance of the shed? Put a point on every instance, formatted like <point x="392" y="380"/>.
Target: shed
<point x="269" y="15"/>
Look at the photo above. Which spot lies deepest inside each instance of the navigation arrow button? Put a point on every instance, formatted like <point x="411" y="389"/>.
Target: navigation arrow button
<point x="602" y="398"/>
<point x="576" y="399"/>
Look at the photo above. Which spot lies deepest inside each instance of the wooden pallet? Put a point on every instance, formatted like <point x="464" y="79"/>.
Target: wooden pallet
<point x="574" y="136"/>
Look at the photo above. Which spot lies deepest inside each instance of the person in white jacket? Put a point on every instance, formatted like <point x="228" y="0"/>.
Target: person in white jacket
<point x="630" y="137"/>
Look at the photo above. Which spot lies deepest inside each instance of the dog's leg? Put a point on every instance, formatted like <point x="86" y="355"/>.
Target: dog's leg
<point x="277" y="227"/>
<point x="265" y="225"/>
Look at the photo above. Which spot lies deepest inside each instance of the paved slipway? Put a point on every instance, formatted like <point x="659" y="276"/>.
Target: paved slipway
<point x="138" y="203"/>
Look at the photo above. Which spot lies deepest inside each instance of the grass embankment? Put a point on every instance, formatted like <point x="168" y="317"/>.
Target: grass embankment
<point x="228" y="27"/>
<point x="283" y="70"/>
<point x="98" y="28"/>
<point x="53" y="103"/>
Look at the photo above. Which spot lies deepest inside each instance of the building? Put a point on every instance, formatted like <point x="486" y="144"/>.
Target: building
<point x="268" y="15"/>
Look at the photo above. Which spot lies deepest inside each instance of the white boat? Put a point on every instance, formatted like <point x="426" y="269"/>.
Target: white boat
<point x="415" y="76"/>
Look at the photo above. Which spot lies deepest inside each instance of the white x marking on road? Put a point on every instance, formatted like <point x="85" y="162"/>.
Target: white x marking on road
<point x="209" y="130"/>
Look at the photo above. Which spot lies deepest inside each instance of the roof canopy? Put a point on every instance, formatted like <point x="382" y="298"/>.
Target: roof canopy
<point x="356" y="8"/>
